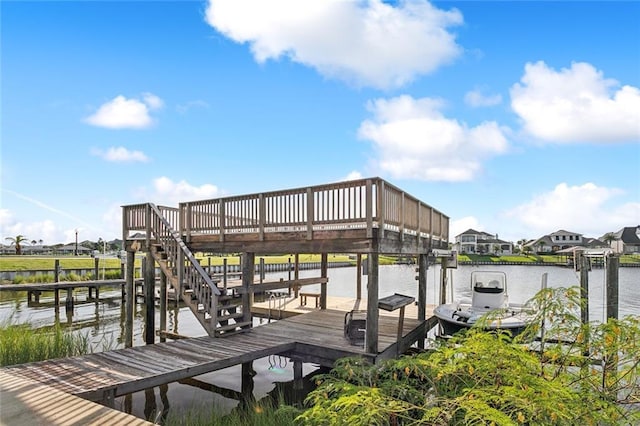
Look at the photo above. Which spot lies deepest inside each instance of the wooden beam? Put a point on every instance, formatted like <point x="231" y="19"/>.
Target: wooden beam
<point x="129" y="300"/>
<point x="149" y="299"/>
<point x="371" y="340"/>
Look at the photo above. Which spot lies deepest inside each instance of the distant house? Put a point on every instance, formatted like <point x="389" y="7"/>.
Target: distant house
<point x="37" y="249"/>
<point x="627" y="240"/>
<point x="472" y="241"/>
<point x="71" y="249"/>
<point x="561" y="240"/>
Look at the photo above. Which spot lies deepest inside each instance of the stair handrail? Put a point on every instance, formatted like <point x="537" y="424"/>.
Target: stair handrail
<point x="201" y="274"/>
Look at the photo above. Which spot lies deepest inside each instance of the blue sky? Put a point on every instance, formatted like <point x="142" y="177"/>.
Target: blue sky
<point x="516" y="118"/>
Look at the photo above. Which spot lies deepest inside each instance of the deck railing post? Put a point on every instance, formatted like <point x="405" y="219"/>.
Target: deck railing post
<point x="310" y="213"/>
<point x="262" y="216"/>
<point x="369" y="207"/>
<point x="382" y="208"/>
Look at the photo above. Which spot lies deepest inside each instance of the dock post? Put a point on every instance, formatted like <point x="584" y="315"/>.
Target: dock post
<point x="584" y="287"/>
<point x="69" y="302"/>
<point x="96" y="270"/>
<point x="225" y="268"/>
<point x="359" y="277"/>
<point x="56" y="270"/>
<point x="56" y="298"/>
<point x="443" y="280"/>
<point x="371" y="338"/>
<point x="130" y="298"/>
<point x="248" y="269"/>
<point x="163" y="305"/>
<point x="423" y="266"/>
<point x="613" y="263"/>
<point x="149" y="298"/>
<point x="296" y="275"/>
<point x="324" y="264"/>
<point x="298" y="383"/>
<point x="247" y="382"/>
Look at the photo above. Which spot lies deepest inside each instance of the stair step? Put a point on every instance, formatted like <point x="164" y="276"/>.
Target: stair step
<point x="225" y="297"/>
<point x="228" y="307"/>
<point x="226" y="330"/>
<point x="230" y="316"/>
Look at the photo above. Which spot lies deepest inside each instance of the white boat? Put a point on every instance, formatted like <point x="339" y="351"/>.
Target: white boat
<point x="488" y="294"/>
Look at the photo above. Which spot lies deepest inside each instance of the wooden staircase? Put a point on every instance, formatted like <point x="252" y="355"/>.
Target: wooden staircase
<point x="219" y="311"/>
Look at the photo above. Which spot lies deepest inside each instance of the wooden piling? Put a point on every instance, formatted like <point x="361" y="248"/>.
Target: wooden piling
<point x="359" y="277"/>
<point x="96" y="269"/>
<point x="248" y="268"/>
<point x="371" y="338"/>
<point x="613" y="263"/>
<point x="324" y="265"/>
<point x="149" y="298"/>
<point x="130" y="298"/>
<point x="298" y="383"/>
<point x="56" y="270"/>
<point x="163" y="304"/>
<point x="584" y="287"/>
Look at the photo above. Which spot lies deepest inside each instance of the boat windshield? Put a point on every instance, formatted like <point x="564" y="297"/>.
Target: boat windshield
<point x="488" y="282"/>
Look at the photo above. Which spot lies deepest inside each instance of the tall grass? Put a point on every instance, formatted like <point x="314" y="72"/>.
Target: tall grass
<point x="21" y="343"/>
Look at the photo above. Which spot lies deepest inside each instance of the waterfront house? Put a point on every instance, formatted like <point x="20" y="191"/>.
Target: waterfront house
<point x="561" y="240"/>
<point x="477" y="242"/>
<point x="627" y="240"/>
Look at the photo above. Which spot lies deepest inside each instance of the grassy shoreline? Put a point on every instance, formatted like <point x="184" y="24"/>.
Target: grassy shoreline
<point x="34" y="263"/>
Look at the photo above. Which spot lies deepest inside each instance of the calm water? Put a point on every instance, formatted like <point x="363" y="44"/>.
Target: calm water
<point x="103" y="322"/>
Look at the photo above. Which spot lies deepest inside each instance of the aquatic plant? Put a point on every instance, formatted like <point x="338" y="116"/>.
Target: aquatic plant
<point x="22" y="343"/>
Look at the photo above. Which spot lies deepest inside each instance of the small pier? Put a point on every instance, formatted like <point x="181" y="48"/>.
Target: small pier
<point x="315" y="337"/>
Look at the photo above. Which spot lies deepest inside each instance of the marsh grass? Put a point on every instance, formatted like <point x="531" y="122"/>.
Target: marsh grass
<point x="21" y="343"/>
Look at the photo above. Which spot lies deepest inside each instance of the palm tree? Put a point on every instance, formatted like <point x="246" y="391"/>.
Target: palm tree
<point x="15" y="241"/>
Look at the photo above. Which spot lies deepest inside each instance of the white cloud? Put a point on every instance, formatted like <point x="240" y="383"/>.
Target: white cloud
<point x="45" y="230"/>
<point x="588" y="209"/>
<point x="354" y="175"/>
<point x="367" y="42"/>
<point x="476" y="98"/>
<point x="415" y="141"/>
<point x="576" y="105"/>
<point x="168" y="192"/>
<point x="122" y="113"/>
<point x="121" y="155"/>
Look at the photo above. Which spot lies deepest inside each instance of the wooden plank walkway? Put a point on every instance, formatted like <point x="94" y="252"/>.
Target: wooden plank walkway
<point x="314" y="337"/>
<point x="26" y="402"/>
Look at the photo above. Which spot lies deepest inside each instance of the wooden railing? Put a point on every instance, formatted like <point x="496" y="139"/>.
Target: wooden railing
<point x="364" y="204"/>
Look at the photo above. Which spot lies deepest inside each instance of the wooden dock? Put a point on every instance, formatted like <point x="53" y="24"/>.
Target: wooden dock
<point x="316" y="337"/>
<point x="27" y="402"/>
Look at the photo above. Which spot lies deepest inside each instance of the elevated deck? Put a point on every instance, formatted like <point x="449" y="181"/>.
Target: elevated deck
<point x="359" y="216"/>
